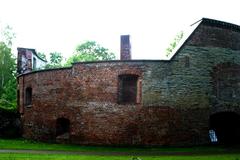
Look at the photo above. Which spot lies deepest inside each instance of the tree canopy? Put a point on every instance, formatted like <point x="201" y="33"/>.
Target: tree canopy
<point x="90" y="51"/>
<point x="56" y="59"/>
<point x="8" y="70"/>
<point x="42" y="55"/>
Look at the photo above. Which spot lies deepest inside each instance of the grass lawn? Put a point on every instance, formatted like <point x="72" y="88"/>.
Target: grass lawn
<point x="196" y="153"/>
<point x="7" y="156"/>
<point x="32" y="145"/>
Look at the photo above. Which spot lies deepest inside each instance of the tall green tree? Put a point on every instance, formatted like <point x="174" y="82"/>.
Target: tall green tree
<point x="174" y="43"/>
<point x="56" y="59"/>
<point x="8" y="98"/>
<point x="7" y="35"/>
<point x="7" y="65"/>
<point x="90" y="51"/>
<point x="7" y="70"/>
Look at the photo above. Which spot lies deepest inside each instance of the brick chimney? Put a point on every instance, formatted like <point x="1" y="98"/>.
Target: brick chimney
<point x="125" y="47"/>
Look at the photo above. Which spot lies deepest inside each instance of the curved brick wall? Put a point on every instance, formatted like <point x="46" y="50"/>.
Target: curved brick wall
<point x="174" y="98"/>
<point x="87" y="95"/>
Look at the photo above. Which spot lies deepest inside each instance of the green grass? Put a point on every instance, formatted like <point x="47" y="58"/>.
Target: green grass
<point x="11" y="156"/>
<point x="194" y="153"/>
<point x="32" y="145"/>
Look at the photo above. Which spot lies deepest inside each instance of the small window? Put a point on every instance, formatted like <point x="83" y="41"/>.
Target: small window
<point x="187" y="61"/>
<point x="18" y="98"/>
<point x="34" y="63"/>
<point x="28" y="99"/>
<point x="127" y="89"/>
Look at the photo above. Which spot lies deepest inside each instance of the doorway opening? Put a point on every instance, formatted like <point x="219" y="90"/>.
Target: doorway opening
<point x="62" y="126"/>
<point x="226" y="127"/>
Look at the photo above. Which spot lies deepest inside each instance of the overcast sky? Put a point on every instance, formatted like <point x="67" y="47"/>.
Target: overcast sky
<point x="59" y="25"/>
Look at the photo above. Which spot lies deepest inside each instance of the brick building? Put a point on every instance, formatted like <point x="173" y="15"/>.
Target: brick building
<point x="141" y="102"/>
<point x="28" y="61"/>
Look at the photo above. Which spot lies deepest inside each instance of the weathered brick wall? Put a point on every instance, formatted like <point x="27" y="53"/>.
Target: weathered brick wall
<point x="174" y="108"/>
<point x="175" y="98"/>
<point x="213" y="35"/>
<point x="87" y="95"/>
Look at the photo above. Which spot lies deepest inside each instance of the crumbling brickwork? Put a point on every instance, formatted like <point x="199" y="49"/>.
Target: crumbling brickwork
<point x="173" y="103"/>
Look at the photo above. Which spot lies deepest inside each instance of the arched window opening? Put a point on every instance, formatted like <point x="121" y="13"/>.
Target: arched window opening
<point x="226" y="80"/>
<point x="62" y="126"/>
<point x="28" y="94"/>
<point x="127" y="89"/>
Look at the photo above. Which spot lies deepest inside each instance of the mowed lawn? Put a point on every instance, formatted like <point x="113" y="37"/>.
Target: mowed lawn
<point x="33" y="145"/>
<point x="115" y="153"/>
<point x="11" y="156"/>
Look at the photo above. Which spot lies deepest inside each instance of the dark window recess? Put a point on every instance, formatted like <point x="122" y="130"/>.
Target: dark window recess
<point x="18" y="97"/>
<point x="127" y="89"/>
<point x="187" y="62"/>
<point x="28" y="99"/>
<point x="62" y="126"/>
<point x="227" y="84"/>
<point x="34" y="63"/>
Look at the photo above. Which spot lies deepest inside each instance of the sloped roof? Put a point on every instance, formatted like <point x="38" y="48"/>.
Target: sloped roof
<point x="194" y="26"/>
<point x="221" y="24"/>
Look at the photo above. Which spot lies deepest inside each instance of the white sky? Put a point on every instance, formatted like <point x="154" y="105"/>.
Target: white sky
<point x="59" y="25"/>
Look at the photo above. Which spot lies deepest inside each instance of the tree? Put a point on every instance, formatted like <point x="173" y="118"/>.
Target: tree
<point x="42" y="55"/>
<point x="8" y="96"/>
<point x="56" y="59"/>
<point x="7" y="35"/>
<point x="7" y="65"/>
<point x="90" y="51"/>
<point x="175" y="42"/>
<point x="8" y="70"/>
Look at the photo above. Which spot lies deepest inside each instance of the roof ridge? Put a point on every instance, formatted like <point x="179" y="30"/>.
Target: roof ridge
<point x="219" y="23"/>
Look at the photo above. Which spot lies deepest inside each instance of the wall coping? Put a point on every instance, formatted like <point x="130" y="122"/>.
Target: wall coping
<point x="96" y="62"/>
